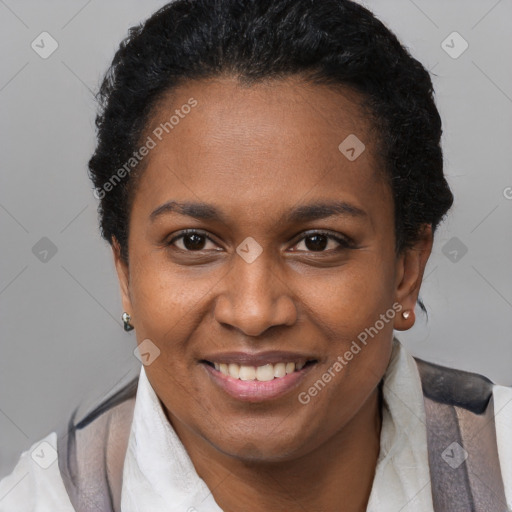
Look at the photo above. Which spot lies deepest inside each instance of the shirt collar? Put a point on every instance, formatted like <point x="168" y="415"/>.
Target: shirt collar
<point x="402" y="475"/>
<point x="158" y="474"/>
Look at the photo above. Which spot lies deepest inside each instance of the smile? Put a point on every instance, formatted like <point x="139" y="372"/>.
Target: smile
<point x="262" y="373"/>
<point x="257" y="383"/>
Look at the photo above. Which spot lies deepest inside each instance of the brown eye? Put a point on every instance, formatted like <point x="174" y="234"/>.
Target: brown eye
<point x="194" y="242"/>
<point x="191" y="241"/>
<point x="318" y="242"/>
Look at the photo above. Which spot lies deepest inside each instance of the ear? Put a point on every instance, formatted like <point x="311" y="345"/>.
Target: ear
<point x="409" y="275"/>
<point x="123" y="275"/>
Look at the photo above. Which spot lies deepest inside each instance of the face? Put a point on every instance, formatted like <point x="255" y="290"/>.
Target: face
<point x="255" y="241"/>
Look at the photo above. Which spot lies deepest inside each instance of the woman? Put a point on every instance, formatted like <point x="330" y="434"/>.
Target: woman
<point x="270" y="179"/>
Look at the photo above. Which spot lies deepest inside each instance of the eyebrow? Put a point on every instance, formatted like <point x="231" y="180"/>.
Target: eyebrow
<point x="302" y="213"/>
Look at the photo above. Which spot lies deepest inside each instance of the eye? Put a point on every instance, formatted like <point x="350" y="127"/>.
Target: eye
<point x="191" y="240"/>
<point x="318" y="241"/>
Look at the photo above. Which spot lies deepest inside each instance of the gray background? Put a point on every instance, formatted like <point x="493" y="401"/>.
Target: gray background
<point x="62" y="342"/>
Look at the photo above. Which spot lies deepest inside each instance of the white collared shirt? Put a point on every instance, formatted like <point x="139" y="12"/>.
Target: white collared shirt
<point x="159" y="475"/>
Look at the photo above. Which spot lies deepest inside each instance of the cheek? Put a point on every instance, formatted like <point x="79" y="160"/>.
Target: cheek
<point x="354" y="311"/>
<point x="165" y="298"/>
<point x="359" y="352"/>
<point x="180" y="394"/>
<point x="352" y="297"/>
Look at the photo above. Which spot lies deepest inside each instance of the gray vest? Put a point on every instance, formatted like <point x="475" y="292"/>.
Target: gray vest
<point x="461" y="437"/>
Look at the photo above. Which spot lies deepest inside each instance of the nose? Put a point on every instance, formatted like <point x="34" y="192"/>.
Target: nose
<point x="255" y="296"/>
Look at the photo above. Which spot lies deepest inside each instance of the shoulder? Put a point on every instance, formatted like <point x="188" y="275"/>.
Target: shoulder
<point x="503" y="421"/>
<point x="58" y="465"/>
<point x="35" y="484"/>
<point x="451" y="386"/>
<point x="487" y="406"/>
<point x="91" y="451"/>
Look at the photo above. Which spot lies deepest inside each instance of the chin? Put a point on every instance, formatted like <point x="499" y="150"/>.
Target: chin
<point x="265" y="449"/>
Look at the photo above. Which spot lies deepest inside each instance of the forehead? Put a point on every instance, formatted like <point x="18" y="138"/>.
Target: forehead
<point x="260" y="147"/>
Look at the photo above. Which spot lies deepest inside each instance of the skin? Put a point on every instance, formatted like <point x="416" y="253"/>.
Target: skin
<point x="256" y="153"/>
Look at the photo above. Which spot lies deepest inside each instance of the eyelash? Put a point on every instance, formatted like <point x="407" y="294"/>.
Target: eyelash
<point x="345" y="243"/>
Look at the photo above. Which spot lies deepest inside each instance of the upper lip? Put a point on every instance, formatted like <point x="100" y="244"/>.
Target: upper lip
<point x="259" y="358"/>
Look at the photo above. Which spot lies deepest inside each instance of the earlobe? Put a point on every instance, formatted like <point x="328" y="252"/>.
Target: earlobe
<point x="410" y="268"/>
<point x="405" y="321"/>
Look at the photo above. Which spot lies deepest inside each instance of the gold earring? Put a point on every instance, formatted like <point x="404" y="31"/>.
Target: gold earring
<point x="126" y="320"/>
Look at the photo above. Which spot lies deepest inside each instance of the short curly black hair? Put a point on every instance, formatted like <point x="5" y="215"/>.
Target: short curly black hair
<point x="332" y="42"/>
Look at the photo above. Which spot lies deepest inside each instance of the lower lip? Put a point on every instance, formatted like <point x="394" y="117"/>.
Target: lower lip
<point x="254" y="390"/>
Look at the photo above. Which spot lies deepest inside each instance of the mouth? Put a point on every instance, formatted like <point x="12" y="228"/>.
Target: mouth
<point x="257" y="382"/>
<point x="262" y="373"/>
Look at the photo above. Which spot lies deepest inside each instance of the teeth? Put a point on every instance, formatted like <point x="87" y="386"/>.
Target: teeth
<point x="264" y="373"/>
<point x="247" y="373"/>
<point x="290" y="367"/>
<point x="279" y="370"/>
<point x="234" y="370"/>
<point x="261" y="373"/>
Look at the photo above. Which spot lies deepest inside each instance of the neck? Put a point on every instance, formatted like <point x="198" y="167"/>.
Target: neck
<point x="338" y="475"/>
